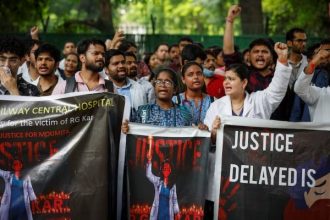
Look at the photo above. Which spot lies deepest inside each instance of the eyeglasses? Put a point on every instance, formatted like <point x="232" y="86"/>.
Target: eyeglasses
<point x="166" y="83"/>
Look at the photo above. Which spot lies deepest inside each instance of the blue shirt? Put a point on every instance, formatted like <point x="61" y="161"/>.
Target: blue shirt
<point x="198" y="111"/>
<point x="125" y="90"/>
<point x="153" y="114"/>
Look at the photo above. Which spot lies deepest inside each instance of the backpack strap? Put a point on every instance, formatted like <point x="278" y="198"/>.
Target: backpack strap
<point x="178" y="99"/>
<point x="71" y="84"/>
<point x="109" y="85"/>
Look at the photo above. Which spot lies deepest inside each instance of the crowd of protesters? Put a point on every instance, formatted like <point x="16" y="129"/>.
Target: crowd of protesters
<point x="183" y="84"/>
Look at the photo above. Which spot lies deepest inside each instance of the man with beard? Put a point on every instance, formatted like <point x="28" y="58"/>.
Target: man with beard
<point x="213" y="82"/>
<point x="262" y="60"/>
<point x="47" y="60"/>
<point x="132" y="72"/>
<point x="296" y="40"/>
<point x="91" y="55"/>
<point x="116" y="69"/>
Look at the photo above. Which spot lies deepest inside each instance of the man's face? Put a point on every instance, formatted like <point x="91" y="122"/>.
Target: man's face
<point x="69" y="47"/>
<point x="209" y="63"/>
<point x="10" y="60"/>
<point x="182" y="44"/>
<point x="93" y="59"/>
<point x="175" y="53"/>
<point x="117" y="68"/>
<point x="162" y="52"/>
<point x="131" y="65"/>
<point x="45" y="64"/>
<point x="260" y="57"/>
<point x="298" y="43"/>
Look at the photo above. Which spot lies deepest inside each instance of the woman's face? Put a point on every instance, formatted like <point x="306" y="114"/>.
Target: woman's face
<point x="219" y="60"/>
<point x="71" y="63"/>
<point x="153" y="62"/>
<point x="233" y="85"/>
<point x="17" y="165"/>
<point x="164" y="87"/>
<point x="166" y="170"/>
<point x="193" y="78"/>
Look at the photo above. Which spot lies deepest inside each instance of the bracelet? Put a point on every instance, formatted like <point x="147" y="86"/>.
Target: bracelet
<point x="230" y="20"/>
<point x="311" y="68"/>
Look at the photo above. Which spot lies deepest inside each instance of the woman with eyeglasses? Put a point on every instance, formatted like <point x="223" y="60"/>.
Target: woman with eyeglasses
<point x="193" y="97"/>
<point x="163" y="112"/>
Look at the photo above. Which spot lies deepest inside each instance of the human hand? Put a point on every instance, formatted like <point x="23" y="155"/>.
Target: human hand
<point x="202" y="127"/>
<point x="8" y="81"/>
<point x="226" y="203"/>
<point x="281" y="50"/>
<point x="125" y="127"/>
<point x="34" y="32"/>
<point x="216" y="123"/>
<point x="233" y="12"/>
<point x="117" y="38"/>
<point x="321" y="56"/>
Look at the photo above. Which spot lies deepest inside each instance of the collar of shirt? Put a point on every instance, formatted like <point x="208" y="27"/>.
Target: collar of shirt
<point x="126" y="86"/>
<point x="80" y="80"/>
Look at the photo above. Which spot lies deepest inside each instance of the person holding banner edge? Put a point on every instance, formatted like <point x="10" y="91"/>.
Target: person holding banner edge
<point x="164" y="112"/>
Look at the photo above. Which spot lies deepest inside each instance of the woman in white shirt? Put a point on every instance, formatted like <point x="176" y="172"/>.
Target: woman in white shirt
<point x="238" y="102"/>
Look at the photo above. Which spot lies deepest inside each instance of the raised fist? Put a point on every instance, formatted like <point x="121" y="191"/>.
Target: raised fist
<point x="34" y="32"/>
<point x="234" y="11"/>
<point x="281" y="50"/>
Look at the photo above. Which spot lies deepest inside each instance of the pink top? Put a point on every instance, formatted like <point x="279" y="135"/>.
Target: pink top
<point x="81" y="86"/>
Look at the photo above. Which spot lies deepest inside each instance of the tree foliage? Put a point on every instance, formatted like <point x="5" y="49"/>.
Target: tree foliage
<point x="164" y="16"/>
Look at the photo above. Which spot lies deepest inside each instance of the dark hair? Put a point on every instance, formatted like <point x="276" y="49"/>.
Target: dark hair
<point x="216" y="50"/>
<point x="161" y="44"/>
<point x="189" y="64"/>
<point x="173" y="45"/>
<point x="83" y="45"/>
<point x="171" y="178"/>
<point x="111" y="53"/>
<point x="240" y="69"/>
<point x="185" y="38"/>
<point x="210" y="52"/>
<point x="191" y="52"/>
<point x="12" y="45"/>
<point x="290" y="34"/>
<point x="267" y="42"/>
<point x="172" y="74"/>
<point x="125" y="45"/>
<point x="29" y="43"/>
<point x="130" y="54"/>
<point x="48" y="48"/>
<point x="311" y="49"/>
<point x="325" y="41"/>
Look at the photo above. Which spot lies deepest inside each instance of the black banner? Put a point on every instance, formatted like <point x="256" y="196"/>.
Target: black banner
<point x="166" y="172"/>
<point x="273" y="170"/>
<point x="58" y="157"/>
